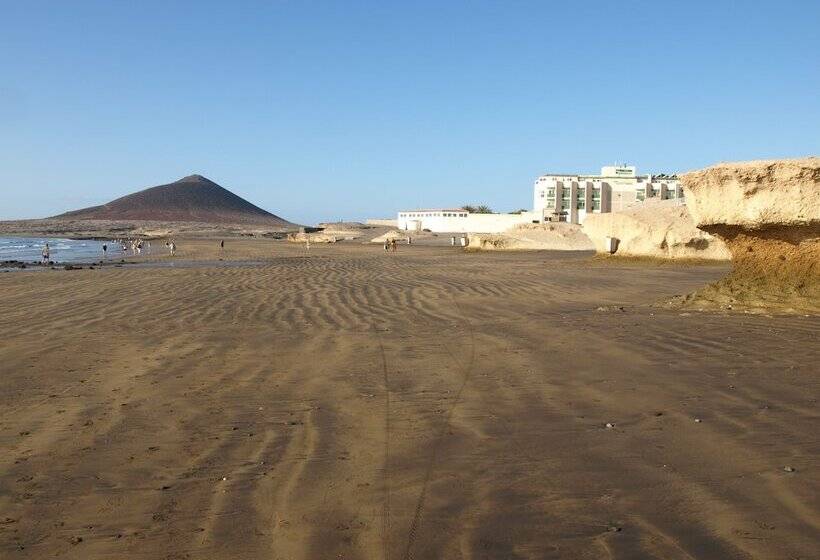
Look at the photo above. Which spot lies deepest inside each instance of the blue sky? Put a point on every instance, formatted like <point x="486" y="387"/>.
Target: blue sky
<point x="329" y="110"/>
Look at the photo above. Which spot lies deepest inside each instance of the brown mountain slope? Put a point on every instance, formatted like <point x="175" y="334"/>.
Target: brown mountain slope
<point x="191" y="199"/>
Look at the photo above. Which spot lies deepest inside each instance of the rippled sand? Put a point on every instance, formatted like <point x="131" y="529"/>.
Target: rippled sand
<point x="349" y="403"/>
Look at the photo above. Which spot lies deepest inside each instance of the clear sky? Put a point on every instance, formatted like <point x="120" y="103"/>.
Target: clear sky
<point x="328" y="110"/>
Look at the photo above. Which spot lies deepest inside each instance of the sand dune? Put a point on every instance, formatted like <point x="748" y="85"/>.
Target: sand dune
<point x="348" y="403"/>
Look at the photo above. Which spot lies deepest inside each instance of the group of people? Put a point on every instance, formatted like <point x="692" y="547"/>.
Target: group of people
<point x="136" y="246"/>
<point x="390" y="245"/>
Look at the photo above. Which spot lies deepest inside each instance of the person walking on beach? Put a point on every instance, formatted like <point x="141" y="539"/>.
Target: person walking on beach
<point x="105" y="251"/>
<point x="173" y="247"/>
<point x="46" y="254"/>
<point x="222" y="245"/>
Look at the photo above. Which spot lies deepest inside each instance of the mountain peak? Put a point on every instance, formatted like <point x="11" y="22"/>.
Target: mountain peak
<point x="195" y="178"/>
<point x="191" y="199"/>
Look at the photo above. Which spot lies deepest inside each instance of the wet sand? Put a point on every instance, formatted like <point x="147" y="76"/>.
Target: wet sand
<point x="349" y="403"/>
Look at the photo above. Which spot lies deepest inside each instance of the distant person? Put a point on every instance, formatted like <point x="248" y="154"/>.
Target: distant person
<point x="46" y="254"/>
<point x="222" y="245"/>
<point x="386" y="245"/>
<point x="173" y="248"/>
<point x="394" y="245"/>
<point x="105" y="250"/>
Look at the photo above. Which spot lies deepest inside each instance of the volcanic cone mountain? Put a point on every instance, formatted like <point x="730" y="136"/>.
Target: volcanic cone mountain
<point x="191" y="199"/>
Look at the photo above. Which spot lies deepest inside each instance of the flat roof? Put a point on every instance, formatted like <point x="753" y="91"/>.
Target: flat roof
<point x="436" y="210"/>
<point x="599" y="177"/>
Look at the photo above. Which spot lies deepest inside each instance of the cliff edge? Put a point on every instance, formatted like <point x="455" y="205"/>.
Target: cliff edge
<point x="768" y="214"/>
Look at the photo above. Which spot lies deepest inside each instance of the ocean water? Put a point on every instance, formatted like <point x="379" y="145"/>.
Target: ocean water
<point x="30" y="249"/>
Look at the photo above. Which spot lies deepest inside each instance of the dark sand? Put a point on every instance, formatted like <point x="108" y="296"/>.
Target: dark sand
<point x="428" y="404"/>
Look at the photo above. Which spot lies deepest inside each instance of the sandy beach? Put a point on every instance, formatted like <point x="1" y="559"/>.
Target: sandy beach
<point x="349" y="403"/>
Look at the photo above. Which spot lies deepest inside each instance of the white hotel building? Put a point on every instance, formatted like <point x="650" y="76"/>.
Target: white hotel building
<point x="556" y="198"/>
<point x="568" y="198"/>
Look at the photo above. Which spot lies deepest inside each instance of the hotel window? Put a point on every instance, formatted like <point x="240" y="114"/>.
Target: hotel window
<point x="596" y="198"/>
<point x="580" y="200"/>
<point x="565" y="199"/>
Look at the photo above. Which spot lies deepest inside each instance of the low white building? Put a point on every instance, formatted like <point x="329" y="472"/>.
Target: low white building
<point x="568" y="198"/>
<point x="458" y="220"/>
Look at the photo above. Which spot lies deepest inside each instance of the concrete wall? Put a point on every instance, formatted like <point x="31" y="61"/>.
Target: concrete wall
<point x="468" y="223"/>
<point x="382" y="222"/>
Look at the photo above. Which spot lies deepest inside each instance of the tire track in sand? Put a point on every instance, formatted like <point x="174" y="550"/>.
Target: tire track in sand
<point x="467" y="371"/>
<point x="386" y="469"/>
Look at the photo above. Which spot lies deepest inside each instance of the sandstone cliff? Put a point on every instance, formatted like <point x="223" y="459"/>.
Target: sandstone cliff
<point x="768" y="213"/>
<point x="655" y="228"/>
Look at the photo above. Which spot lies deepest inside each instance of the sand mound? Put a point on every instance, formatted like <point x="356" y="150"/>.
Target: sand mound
<point x="394" y="234"/>
<point x="768" y="213"/>
<point x="534" y="237"/>
<point x="349" y="230"/>
<point x="655" y="228"/>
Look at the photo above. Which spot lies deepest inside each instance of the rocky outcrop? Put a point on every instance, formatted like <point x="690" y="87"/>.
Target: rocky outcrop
<point x="655" y="228"/>
<point x="768" y="214"/>
<point x="313" y="237"/>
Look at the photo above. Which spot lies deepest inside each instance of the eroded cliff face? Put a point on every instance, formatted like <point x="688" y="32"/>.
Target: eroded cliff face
<point x="768" y="214"/>
<point x="655" y="228"/>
